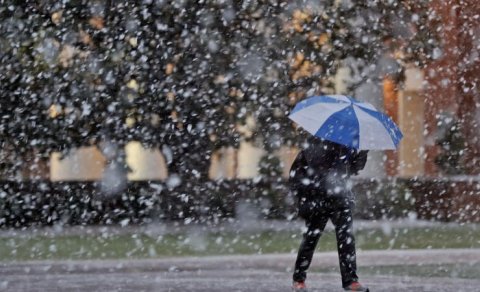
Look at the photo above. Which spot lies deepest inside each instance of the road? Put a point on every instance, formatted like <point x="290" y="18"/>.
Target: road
<point x="230" y="273"/>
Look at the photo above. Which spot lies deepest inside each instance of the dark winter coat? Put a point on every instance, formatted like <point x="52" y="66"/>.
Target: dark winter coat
<point x="322" y="169"/>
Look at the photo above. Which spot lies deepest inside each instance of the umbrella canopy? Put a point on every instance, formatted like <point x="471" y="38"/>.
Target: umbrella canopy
<point x="343" y="120"/>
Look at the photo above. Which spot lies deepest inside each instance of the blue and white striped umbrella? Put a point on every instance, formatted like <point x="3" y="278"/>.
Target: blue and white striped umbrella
<point x="343" y="120"/>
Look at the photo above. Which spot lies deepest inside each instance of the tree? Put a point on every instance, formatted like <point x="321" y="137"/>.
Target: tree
<point x="24" y="78"/>
<point x="452" y="144"/>
<point x="333" y="34"/>
<point x="179" y="75"/>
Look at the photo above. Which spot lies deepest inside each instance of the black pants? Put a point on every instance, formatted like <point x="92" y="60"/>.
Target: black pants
<point x="339" y="211"/>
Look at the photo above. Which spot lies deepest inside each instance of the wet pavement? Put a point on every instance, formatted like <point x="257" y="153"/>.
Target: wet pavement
<point x="229" y="273"/>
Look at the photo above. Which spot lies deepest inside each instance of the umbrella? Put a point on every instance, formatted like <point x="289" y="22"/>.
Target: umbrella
<point x="343" y="120"/>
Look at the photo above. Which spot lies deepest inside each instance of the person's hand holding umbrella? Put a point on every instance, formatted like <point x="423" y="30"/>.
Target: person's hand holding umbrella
<point x="344" y="131"/>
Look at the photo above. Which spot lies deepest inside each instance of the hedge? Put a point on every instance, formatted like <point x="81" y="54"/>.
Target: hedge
<point x="39" y="203"/>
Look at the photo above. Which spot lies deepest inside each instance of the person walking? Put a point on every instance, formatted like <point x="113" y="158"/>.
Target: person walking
<point x="319" y="180"/>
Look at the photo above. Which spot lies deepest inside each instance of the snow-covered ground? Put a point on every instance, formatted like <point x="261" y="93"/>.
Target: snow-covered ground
<point x="232" y="273"/>
<point x="267" y="272"/>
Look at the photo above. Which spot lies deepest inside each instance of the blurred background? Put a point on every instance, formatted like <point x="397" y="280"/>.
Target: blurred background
<point x="172" y="113"/>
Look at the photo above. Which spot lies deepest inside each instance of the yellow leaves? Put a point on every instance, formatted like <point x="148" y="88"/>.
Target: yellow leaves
<point x="296" y="96"/>
<point x="132" y="84"/>
<point x="133" y="41"/>
<point x="235" y="92"/>
<point x="303" y="71"/>
<point x="169" y="68"/>
<point x="135" y="89"/>
<point x="57" y="17"/>
<point x="302" y="23"/>
<point x="130" y="122"/>
<point x="175" y="119"/>
<point x="323" y="39"/>
<point x="54" y="111"/>
<point x="299" y="18"/>
<point x="307" y="69"/>
<point x="319" y="41"/>
<point x="303" y="68"/>
<point x="297" y="26"/>
<point x="220" y="79"/>
<point x="301" y="15"/>
<point x="298" y="60"/>
<point x="97" y="22"/>
<point x="86" y="38"/>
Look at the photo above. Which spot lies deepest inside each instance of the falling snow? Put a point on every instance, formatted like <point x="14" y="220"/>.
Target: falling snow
<point x="159" y="129"/>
